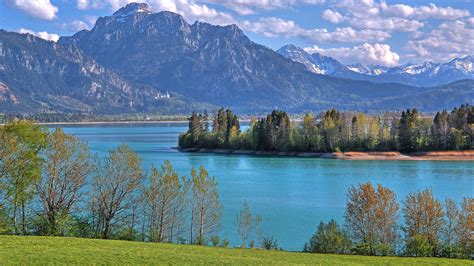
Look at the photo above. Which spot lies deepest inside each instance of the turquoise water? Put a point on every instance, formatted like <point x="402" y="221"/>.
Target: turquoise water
<point x="291" y="194"/>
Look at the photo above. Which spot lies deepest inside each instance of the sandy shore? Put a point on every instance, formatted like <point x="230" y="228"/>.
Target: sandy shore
<point x="388" y="156"/>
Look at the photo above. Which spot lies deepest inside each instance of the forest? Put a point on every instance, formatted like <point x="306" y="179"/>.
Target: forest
<point x="51" y="185"/>
<point x="334" y="131"/>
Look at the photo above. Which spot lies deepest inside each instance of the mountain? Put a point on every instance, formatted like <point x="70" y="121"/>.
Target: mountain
<point x="421" y="75"/>
<point x="42" y="76"/>
<point x="316" y="62"/>
<point x="130" y="60"/>
<point x="214" y="64"/>
<point x="370" y="70"/>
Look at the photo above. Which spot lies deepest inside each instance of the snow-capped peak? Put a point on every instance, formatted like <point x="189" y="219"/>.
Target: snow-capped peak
<point x="372" y="70"/>
<point x="417" y="74"/>
<point x="464" y="65"/>
<point x="316" y="63"/>
<point x="415" y="69"/>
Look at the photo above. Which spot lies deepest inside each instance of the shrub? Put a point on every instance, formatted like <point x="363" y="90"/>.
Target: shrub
<point x="215" y="240"/>
<point x="269" y="243"/>
<point x="224" y="243"/>
<point x="329" y="238"/>
<point x="419" y="246"/>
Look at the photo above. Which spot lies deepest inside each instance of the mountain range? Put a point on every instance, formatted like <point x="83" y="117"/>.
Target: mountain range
<point x="420" y="75"/>
<point x="139" y="61"/>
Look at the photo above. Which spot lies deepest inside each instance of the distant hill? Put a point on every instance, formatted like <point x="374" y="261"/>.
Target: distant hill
<point x="129" y="60"/>
<point x="421" y="75"/>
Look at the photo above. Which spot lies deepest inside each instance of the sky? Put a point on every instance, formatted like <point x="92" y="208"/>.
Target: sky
<point x="388" y="33"/>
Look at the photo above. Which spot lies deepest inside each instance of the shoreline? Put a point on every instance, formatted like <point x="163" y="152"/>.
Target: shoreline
<point x="467" y="155"/>
<point x="112" y="122"/>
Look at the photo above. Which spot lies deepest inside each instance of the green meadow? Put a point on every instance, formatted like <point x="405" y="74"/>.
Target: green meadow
<point x="54" y="250"/>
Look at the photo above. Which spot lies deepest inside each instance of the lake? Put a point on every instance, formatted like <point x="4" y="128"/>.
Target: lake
<point x="291" y="194"/>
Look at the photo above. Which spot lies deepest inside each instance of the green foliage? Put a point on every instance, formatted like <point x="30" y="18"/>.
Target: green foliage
<point x="206" y="210"/>
<point x="333" y="131"/>
<point x="215" y="240"/>
<point x="419" y="246"/>
<point x="21" y="144"/>
<point x="269" y="243"/>
<point x="329" y="238"/>
<point x="224" y="243"/>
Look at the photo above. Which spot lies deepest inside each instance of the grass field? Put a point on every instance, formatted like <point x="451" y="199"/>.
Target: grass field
<point x="50" y="250"/>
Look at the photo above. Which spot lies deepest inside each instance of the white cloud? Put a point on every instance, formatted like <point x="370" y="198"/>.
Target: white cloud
<point x="277" y="27"/>
<point x="387" y="24"/>
<point x="41" y="9"/>
<point x="76" y="25"/>
<point x="449" y="40"/>
<point x="366" y="53"/>
<point x="100" y="4"/>
<point x="470" y="21"/>
<point x="370" y="14"/>
<point x="381" y="8"/>
<point x="423" y="12"/>
<point x="247" y="7"/>
<point x="192" y="12"/>
<point x="42" y="34"/>
<point x="333" y="16"/>
<point x="189" y="9"/>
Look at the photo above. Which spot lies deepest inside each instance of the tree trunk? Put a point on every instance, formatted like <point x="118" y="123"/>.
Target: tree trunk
<point x="23" y="218"/>
<point x="106" y="233"/>
<point x="143" y="226"/>
<point x="160" y="228"/>
<point x="192" y="222"/>
<point x="201" y="226"/>
<point x="15" y="226"/>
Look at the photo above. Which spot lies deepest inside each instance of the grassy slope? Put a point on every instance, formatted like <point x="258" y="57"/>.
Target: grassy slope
<point x="47" y="250"/>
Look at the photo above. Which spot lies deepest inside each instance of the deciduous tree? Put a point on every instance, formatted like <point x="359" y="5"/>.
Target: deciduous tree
<point x="66" y="168"/>
<point x="114" y="186"/>
<point x="206" y="210"/>
<point x="424" y="216"/>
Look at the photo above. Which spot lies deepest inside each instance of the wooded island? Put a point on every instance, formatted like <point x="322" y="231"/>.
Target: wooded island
<point x="334" y="131"/>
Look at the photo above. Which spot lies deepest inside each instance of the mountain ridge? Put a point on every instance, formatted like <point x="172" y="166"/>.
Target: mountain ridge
<point x="424" y="74"/>
<point x="143" y="54"/>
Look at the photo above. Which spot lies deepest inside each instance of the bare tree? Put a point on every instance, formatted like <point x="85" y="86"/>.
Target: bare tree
<point x="206" y="210"/>
<point x="114" y="186"/>
<point x="246" y="223"/>
<point x="64" y="175"/>
<point x="423" y="216"/>
<point x="371" y="217"/>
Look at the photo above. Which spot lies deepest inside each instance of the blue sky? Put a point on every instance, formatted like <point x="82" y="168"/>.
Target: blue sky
<point x="366" y="31"/>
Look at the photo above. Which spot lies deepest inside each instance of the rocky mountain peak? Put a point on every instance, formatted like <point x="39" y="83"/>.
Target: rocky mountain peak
<point x="132" y="9"/>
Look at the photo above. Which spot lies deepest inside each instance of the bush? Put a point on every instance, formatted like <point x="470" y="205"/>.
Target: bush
<point x="419" y="246"/>
<point x="454" y="252"/>
<point x="329" y="238"/>
<point x="224" y="243"/>
<point x="215" y="240"/>
<point x="269" y="243"/>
